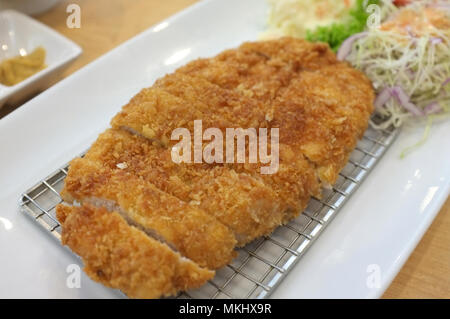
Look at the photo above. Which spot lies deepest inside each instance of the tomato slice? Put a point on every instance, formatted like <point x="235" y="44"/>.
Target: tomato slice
<point x="401" y="3"/>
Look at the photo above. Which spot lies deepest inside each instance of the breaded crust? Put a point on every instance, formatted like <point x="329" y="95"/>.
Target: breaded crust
<point x="190" y="230"/>
<point x="123" y="257"/>
<point x="323" y="114"/>
<point x="241" y="202"/>
<point x="261" y="69"/>
<point x="177" y="100"/>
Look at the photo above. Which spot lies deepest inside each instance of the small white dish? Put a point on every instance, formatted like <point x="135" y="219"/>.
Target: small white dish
<point x="20" y="34"/>
<point x="28" y="6"/>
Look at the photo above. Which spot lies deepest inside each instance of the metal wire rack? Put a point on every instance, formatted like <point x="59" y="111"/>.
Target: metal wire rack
<point x="264" y="263"/>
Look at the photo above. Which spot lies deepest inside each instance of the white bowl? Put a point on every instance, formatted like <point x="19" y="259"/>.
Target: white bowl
<point x="28" y="6"/>
<point x="19" y="33"/>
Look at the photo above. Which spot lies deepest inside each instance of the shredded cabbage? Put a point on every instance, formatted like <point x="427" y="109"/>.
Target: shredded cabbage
<point x="419" y="65"/>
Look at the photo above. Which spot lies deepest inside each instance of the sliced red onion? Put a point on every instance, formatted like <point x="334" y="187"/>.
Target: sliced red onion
<point x="404" y="101"/>
<point x="382" y="97"/>
<point x="443" y="6"/>
<point x="435" y="41"/>
<point x="447" y="81"/>
<point x="410" y="33"/>
<point x="411" y="74"/>
<point x="433" y="108"/>
<point x="399" y="94"/>
<point x="346" y="46"/>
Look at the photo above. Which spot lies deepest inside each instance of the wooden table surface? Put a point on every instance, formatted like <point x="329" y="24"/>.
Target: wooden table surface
<point x="107" y="23"/>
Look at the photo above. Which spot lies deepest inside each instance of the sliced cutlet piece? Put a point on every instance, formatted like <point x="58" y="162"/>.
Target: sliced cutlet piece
<point x="188" y="229"/>
<point x="240" y="71"/>
<point x="296" y="53"/>
<point x="323" y="113"/>
<point x="344" y="90"/>
<point x="123" y="257"/>
<point x="238" y="110"/>
<point x="294" y="182"/>
<point x="240" y="201"/>
<point x="177" y="100"/>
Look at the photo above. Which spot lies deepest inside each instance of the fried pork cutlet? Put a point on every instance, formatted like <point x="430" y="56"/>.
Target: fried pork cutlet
<point x="241" y="202"/>
<point x="319" y="104"/>
<point x="188" y="229"/>
<point x="123" y="257"/>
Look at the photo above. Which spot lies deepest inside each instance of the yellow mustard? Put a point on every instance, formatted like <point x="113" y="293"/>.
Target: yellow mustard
<point x="17" y="69"/>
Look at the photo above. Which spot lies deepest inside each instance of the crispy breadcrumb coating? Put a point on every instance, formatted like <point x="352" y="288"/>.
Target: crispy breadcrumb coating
<point x="261" y="69"/>
<point x="241" y="202"/>
<point x="187" y="228"/>
<point x="324" y="113"/>
<point x="123" y="257"/>
<point x="177" y="100"/>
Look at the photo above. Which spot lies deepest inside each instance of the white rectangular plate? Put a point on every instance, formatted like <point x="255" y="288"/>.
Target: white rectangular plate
<point x="377" y="229"/>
